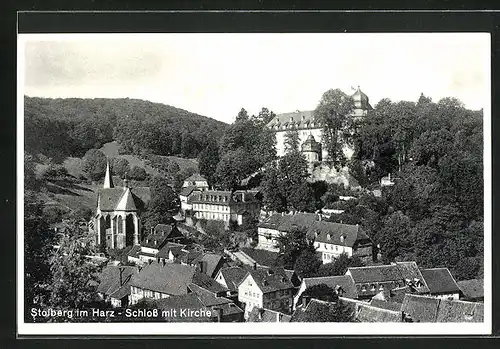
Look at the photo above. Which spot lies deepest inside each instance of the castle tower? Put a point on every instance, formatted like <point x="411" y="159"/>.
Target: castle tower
<point x="311" y="150"/>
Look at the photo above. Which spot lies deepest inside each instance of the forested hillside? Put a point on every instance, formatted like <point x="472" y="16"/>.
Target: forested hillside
<point x="59" y="127"/>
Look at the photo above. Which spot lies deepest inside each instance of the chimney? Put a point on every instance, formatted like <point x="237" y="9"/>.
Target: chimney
<point x="305" y="301"/>
<point x="125" y="183"/>
<point x="220" y="313"/>
<point x="342" y="238"/>
<point x="254" y="265"/>
<point x="163" y="261"/>
<point x="280" y="317"/>
<point x="201" y="264"/>
<point x="259" y="312"/>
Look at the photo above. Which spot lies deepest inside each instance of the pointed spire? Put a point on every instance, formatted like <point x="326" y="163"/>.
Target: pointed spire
<point x="108" y="179"/>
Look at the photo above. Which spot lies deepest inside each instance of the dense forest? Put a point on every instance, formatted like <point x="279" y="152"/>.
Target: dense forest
<point x="58" y="128"/>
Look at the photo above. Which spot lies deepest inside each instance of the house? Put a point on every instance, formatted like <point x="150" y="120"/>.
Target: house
<point x="342" y="285"/>
<point x="441" y="283"/>
<point x="277" y="224"/>
<point x="158" y="280"/>
<point x="330" y="239"/>
<point x="250" y="256"/>
<point x="333" y="239"/>
<point x="432" y="309"/>
<point x="304" y="123"/>
<point x="154" y="242"/>
<point x="212" y="295"/>
<point x="208" y="263"/>
<point x="116" y="223"/>
<point x="266" y="288"/>
<point x="114" y="285"/>
<point x="371" y="280"/>
<point x="395" y="295"/>
<point x="197" y="181"/>
<point x="171" y="252"/>
<point x="267" y="315"/>
<point x="239" y="206"/>
<point x="472" y="290"/>
<point x="231" y="277"/>
<point x="184" y="195"/>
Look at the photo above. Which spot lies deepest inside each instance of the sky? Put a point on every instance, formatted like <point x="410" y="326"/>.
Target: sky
<point x="218" y="74"/>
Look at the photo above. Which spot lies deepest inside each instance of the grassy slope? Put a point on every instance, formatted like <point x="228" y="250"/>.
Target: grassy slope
<point x="84" y="195"/>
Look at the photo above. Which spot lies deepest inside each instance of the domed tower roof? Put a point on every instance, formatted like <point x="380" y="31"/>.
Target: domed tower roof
<point x="361" y="100"/>
<point x="311" y="145"/>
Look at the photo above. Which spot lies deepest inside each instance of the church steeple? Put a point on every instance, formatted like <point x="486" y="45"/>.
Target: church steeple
<point x="108" y="179"/>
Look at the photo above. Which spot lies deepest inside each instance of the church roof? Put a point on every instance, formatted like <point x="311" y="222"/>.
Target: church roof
<point x="126" y="203"/>
<point x="108" y="178"/>
<point x="196" y="177"/>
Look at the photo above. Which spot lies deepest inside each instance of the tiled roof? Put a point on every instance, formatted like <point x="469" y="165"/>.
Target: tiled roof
<point x="109" y="198"/>
<point x="110" y="280"/>
<point x="212" y="261"/>
<point x="262" y="257"/>
<point x="472" y="288"/>
<point x="368" y="313"/>
<point x="460" y="311"/>
<point x="394" y="295"/>
<point x="394" y="306"/>
<point x="161" y="234"/>
<point x="141" y="194"/>
<point x="439" y="280"/>
<point x="267" y="315"/>
<point x="210" y="298"/>
<point x="378" y="273"/>
<point x="271" y="279"/>
<point x="410" y="272"/>
<point x="196" y="177"/>
<point x="126" y="203"/>
<point x="206" y="282"/>
<point x="170" y="246"/>
<point x="287" y="222"/>
<point x="233" y="276"/>
<point x="186" y="191"/>
<point x="344" y="281"/>
<point x="170" y="278"/>
<point x="134" y="251"/>
<point x="331" y="233"/>
<point x="420" y="308"/>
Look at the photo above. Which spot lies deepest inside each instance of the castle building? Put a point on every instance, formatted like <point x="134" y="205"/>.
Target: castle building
<point x="306" y="126"/>
<point x="116" y="222"/>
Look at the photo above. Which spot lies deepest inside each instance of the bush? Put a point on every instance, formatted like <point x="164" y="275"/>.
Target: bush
<point x="137" y="173"/>
<point x="55" y="171"/>
<point x="120" y="167"/>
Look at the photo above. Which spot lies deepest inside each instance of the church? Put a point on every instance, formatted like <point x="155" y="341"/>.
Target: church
<point x="117" y="223"/>
<point x="310" y="131"/>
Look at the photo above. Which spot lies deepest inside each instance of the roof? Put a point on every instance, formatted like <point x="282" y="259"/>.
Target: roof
<point x="440" y="281"/>
<point x="472" y="289"/>
<point x="212" y="261"/>
<point x="261" y="257"/>
<point x="411" y="273"/>
<point x="394" y="295"/>
<point x="332" y="233"/>
<point x="223" y="197"/>
<point x="394" y="306"/>
<point x="316" y="311"/>
<point x="267" y="315"/>
<point x="170" y="246"/>
<point x="368" y="313"/>
<point x="345" y="282"/>
<point x="135" y="251"/>
<point x="310" y="144"/>
<point x="460" y="311"/>
<point x="420" y="308"/>
<point x="122" y="199"/>
<point x="286" y="222"/>
<point x="110" y="280"/>
<point x="186" y="191"/>
<point x="170" y="278"/>
<point x="361" y="100"/>
<point x="233" y="276"/>
<point x="196" y="177"/>
<point x="270" y="279"/>
<point x="161" y="233"/>
<point x="376" y="273"/>
<point x="179" y="302"/>
<point x="206" y="282"/>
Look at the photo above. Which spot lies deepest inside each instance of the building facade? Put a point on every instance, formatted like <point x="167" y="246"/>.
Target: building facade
<point x="225" y="206"/>
<point x="304" y="123"/>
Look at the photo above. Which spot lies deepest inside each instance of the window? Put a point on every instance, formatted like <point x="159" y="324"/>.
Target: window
<point x="372" y="288"/>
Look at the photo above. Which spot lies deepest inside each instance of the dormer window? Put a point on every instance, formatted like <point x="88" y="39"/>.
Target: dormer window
<point x="363" y="288"/>
<point x="328" y="237"/>
<point x="373" y="287"/>
<point x="381" y="288"/>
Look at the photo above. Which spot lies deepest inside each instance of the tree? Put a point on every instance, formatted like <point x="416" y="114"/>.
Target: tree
<point x="242" y="115"/>
<point x="38" y="243"/>
<point x="291" y="245"/>
<point x="164" y="204"/>
<point x="394" y="237"/>
<point x="234" y="166"/>
<point x="188" y="145"/>
<point x="120" y="167"/>
<point x="94" y="164"/>
<point x="339" y="266"/>
<point x="181" y="175"/>
<point x="208" y="160"/>
<point x="30" y="180"/>
<point x="137" y="173"/>
<point x="274" y="199"/>
<point x="322" y="292"/>
<point x="307" y="263"/>
<point x="333" y="113"/>
<point x="74" y="278"/>
<point x="292" y="141"/>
